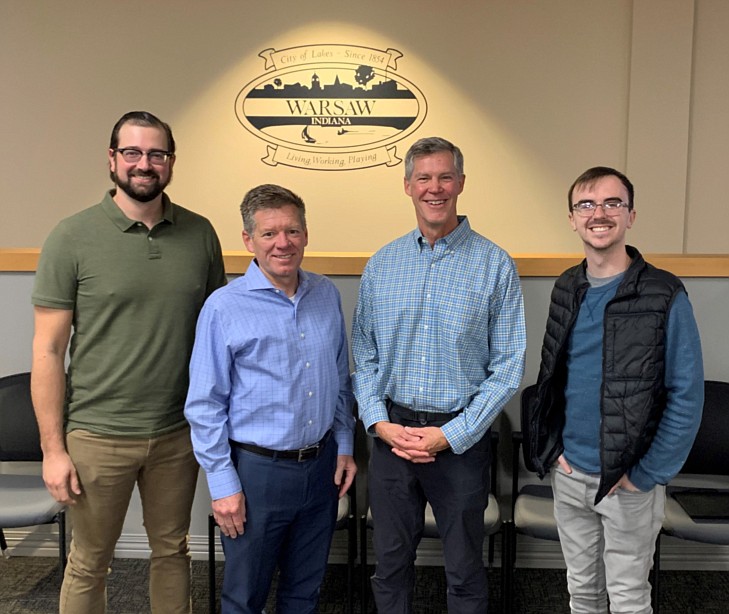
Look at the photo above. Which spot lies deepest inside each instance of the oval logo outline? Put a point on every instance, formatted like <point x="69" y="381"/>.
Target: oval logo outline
<point x="308" y="146"/>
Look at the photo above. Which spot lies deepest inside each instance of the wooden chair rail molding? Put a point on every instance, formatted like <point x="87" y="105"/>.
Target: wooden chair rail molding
<point x="352" y="263"/>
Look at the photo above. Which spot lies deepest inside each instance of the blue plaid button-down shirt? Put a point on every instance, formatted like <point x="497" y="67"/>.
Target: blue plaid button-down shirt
<point x="440" y="330"/>
<point x="268" y="370"/>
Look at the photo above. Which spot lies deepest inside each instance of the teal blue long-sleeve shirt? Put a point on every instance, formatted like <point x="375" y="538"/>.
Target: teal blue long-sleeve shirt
<point x="683" y="379"/>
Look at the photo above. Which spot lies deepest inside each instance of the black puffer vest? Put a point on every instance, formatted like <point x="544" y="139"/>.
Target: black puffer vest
<point x="633" y="395"/>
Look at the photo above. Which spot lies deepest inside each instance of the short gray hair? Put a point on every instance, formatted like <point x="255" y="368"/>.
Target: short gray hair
<point x="428" y="146"/>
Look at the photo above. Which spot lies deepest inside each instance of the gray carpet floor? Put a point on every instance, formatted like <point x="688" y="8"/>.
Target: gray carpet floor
<point x="30" y="585"/>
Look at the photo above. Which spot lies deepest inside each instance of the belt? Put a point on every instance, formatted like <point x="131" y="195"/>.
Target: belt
<point x="300" y="455"/>
<point x="423" y="417"/>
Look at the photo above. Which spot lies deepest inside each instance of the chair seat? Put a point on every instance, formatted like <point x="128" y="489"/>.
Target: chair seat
<point x="534" y="512"/>
<point x="678" y="523"/>
<point x="343" y="511"/>
<point x="491" y="519"/>
<point x="26" y="502"/>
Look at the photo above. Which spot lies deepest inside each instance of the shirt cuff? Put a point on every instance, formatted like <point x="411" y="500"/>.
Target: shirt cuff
<point x="345" y="443"/>
<point x="223" y="483"/>
<point x="456" y="437"/>
<point x="373" y="415"/>
<point x="640" y="479"/>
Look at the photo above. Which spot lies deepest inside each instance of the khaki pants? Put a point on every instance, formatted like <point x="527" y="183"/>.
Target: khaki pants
<point x="108" y="468"/>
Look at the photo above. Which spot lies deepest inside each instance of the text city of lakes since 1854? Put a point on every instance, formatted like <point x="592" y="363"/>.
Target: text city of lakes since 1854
<point x="324" y="54"/>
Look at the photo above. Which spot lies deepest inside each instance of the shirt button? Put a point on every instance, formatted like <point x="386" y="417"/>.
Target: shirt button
<point x="420" y="389"/>
<point x="427" y="295"/>
<point x="302" y="335"/>
<point x="308" y="365"/>
<point x="422" y="359"/>
<point x="311" y="394"/>
<point x="426" y="327"/>
<point x="311" y="422"/>
<point x="149" y="238"/>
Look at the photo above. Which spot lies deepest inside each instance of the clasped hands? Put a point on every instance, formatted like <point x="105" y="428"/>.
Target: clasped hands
<point x="415" y="444"/>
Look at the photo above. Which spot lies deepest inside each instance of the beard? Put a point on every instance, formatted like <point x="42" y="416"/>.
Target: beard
<point x="141" y="193"/>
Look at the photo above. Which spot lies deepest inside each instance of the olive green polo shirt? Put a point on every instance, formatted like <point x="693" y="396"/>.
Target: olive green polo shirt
<point x="135" y="295"/>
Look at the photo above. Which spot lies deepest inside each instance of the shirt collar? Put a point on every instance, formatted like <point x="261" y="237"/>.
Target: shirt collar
<point x="258" y="281"/>
<point x="122" y="222"/>
<point x="453" y="239"/>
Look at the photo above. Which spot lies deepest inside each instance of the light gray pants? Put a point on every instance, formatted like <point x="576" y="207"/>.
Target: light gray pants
<point x="608" y="547"/>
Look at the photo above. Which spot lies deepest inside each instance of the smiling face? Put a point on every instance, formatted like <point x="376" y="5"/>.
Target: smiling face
<point x="278" y="241"/>
<point x="434" y="187"/>
<point x="602" y="234"/>
<point x="141" y="181"/>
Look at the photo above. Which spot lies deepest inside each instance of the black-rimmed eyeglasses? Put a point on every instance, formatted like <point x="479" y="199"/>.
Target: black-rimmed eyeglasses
<point x="133" y="155"/>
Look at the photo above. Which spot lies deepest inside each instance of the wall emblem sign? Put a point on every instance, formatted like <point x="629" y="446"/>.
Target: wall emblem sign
<point x="330" y="107"/>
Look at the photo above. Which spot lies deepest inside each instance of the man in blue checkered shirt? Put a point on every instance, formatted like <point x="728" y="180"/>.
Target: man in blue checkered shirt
<point x="438" y="342"/>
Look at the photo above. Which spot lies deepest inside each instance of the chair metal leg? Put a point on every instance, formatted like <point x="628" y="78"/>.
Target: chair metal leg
<point x="62" y="540"/>
<point x="364" y="580"/>
<point x="211" y="563"/>
<point x="351" y="557"/>
<point x="508" y="561"/>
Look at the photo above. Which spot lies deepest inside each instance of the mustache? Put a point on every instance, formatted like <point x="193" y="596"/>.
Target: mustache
<point x="602" y="221"/>
<point x="147" y="173"/>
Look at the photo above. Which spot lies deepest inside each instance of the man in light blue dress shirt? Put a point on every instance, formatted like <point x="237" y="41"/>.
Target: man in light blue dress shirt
<point x="270" y="406"/>
<point x="438" y="342"/>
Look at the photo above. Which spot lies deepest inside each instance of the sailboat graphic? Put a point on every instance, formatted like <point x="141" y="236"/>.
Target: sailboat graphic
<point x="305" y="135"/>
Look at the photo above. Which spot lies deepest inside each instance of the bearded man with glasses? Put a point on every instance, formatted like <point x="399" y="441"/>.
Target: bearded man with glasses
<point x="124" y="281"/>
<point x="619" y="400"/>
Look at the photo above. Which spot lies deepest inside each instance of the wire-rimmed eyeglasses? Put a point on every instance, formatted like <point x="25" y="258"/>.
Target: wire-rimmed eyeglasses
<point x="587" y="208"/>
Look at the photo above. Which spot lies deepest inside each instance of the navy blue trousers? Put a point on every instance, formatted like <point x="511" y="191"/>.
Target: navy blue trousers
<point x="291" y="510"/>
<point x="457" y="487"/>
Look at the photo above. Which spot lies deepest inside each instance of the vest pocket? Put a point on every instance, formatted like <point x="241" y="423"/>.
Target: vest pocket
<point x="630" y="346"/>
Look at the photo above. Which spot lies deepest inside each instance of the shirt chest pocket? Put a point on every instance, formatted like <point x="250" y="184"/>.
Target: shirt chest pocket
<point x="463" y="312"/>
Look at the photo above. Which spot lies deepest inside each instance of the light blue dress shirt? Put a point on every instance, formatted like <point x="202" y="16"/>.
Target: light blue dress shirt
<point x="440" y="330"/>
<point x="268" y="370"/>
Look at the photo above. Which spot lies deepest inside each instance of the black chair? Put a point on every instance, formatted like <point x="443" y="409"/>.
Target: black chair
<point x="532" y="506"/>
<point x="24" y="500"/>
<point x="532" y="511"/>
<point x="695" y="511"/>
<point x="491" y="519"/>
<point x="345" y="522"/>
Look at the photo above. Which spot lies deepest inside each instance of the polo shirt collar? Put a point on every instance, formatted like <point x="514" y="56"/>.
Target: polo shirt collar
<point x="122" y="222"/>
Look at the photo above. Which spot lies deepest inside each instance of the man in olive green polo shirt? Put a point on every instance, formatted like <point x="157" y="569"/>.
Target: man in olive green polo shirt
<point x="124" y="281"/>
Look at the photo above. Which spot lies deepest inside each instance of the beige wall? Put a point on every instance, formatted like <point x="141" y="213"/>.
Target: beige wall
<point x="533" y="91"/>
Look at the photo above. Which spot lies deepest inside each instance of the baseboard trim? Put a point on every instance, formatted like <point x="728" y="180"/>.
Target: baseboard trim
<point x="531" y="553"/>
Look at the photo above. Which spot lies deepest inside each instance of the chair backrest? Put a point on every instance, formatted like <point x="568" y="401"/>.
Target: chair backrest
<point x="527" y="396"/>
<point x="19" y="437"/>
<point x="709" y="453"/>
